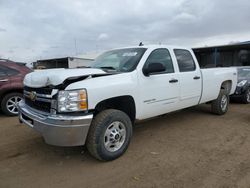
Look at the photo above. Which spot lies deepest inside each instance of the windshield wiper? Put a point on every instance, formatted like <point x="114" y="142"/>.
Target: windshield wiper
<point x="111" y="68"/>
<point x="83" y="66"/>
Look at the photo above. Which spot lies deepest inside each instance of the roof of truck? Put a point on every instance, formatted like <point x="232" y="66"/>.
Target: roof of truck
<point x="155" y="46"/>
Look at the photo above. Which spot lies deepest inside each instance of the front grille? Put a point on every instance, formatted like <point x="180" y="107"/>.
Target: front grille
<point x="42" y="90"/>
<point x="38" y="105"/>
<point x="42" y="100"/>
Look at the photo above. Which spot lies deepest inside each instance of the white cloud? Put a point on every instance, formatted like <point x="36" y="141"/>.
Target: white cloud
<point x="31" y="30"/>
<point x="2" y="30"/>
<point x="103" y="36"/>
<point x="185" y="18"/>
<point x="223" y="39"/>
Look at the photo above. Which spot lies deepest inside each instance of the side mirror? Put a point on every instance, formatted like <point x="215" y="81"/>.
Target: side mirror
<point x="153" y="68"/>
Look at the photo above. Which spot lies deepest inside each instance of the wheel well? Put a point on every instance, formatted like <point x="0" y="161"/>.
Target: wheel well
<point x="226" y="85"/>
<point x="10" y="91"/>
<point x="123" y="103"/>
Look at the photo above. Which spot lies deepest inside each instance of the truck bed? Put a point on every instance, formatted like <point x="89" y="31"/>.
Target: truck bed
<point x="212" y="79"/>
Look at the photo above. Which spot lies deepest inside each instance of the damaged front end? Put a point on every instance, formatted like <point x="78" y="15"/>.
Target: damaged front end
<point x="39" y="110"/>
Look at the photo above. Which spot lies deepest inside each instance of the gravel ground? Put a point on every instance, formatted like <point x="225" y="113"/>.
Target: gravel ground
<point x="188" y="148"/>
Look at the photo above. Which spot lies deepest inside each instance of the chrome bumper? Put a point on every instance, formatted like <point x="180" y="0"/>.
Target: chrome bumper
<point x="58" y="130"/>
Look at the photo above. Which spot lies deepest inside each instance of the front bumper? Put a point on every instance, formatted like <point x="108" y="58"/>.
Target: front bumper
<point x="58" y="130"/>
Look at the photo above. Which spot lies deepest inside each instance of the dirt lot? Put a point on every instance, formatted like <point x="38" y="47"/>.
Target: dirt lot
<point x="189" y="148"/>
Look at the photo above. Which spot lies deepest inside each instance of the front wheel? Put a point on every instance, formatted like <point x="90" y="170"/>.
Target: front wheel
<point x="9" y="103"/>
<point x="220" y="105"/>
<point x="109" y="135"/>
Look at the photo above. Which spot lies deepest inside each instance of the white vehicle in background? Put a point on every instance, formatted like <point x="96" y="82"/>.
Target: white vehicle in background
<point x="98" y="106"/>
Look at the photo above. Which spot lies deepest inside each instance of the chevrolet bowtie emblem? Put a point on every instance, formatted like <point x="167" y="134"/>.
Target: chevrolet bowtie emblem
<point x="33" y="95"/>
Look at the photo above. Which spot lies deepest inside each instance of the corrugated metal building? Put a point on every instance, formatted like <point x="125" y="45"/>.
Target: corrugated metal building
<point x="64" y="62"/>
<point x="237" y="54"/>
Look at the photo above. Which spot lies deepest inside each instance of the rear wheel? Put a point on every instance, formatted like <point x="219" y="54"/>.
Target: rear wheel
<point x="109" y="135"/>
<point x="246" y="97"/>
<point x="9" y="103"/>
<point x="220" y="105"/>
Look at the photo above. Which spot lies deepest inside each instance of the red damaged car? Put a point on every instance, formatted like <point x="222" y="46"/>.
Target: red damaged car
<point x="11" y="85"/>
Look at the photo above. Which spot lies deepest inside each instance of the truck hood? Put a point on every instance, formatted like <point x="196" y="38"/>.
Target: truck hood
<point x="54" y="77"/>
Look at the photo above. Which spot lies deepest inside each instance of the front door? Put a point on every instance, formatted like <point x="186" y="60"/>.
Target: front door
<point x="159" y="92"/>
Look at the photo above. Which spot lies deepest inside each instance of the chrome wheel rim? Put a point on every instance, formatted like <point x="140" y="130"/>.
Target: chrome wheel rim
<point x="11" y="104"/>
<point x="224" y="103"/>
<point x="114" y="136"/>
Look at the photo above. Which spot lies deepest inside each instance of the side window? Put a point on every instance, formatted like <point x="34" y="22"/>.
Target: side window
<point x="2" y="72"/>
<point x="8" y="71"/>
<point x="185" y="60"/>
<point x="161" y="56"/>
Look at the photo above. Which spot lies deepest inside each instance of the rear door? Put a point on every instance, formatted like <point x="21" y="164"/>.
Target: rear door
<point x="190" y="78"/>
<point x="15" y="77"/>
<point x="159" y="93"/>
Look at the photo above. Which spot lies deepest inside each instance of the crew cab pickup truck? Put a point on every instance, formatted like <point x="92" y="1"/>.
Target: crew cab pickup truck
<point x="98" y="105"/>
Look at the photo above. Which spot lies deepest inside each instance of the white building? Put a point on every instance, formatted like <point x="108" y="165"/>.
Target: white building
<point x="83" y="60"/>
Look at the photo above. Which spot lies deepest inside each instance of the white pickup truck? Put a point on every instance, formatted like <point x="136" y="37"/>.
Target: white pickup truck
<point x="98" y="105"/>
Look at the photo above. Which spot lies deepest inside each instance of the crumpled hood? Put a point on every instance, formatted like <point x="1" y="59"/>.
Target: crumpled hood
<point x="43" y="78"/>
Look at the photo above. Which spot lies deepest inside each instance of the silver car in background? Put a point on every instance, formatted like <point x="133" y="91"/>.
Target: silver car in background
<point x="242" y="92"/>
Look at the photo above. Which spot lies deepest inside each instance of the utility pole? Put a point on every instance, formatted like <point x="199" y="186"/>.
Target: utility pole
<point x="75" y="47"/>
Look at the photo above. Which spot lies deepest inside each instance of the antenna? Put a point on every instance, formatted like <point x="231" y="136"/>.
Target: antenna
<point x="141" y="44"/>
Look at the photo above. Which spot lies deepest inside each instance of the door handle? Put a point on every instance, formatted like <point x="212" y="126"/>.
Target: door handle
<point x="4" y="80"/>
<point x="197" y="77"/>
<point x="173" y="81"/>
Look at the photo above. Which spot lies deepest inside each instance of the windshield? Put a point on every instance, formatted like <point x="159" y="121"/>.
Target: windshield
<point x="244" y="73"/>
<point x="121" y="60"/>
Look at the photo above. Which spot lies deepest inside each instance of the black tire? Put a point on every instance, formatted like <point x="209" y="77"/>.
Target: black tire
<point x="217" y="106"/>
<point x="246" y="97"/>
<point x="7" y="111"/>
<point x="96" y="136"/>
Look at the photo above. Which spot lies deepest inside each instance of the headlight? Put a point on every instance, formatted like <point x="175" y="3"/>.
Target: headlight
<point x="242" y="83"/>
<point x="72" y="100"/>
